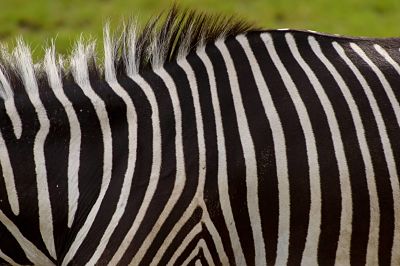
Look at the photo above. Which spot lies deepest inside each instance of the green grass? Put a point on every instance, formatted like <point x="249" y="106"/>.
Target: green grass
<point x="38" y="21"/>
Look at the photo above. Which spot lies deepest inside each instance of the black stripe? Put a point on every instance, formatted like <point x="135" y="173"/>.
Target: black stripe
<point x="211" y="245"/>
<point x="142" y="167"/>
<point x="57" y="142"/>
<point x="91" y="157"/>
<point x="383" y="183"/>
<point x="8" y="244"/>
<point x="22" y="161"/>
<point x="189" y="248"/>
<point x="360" y="196"/>
<point x="168" y="165"/>
<point x="329" y="172"/>
<point x="393" y="79"/>
<point x="191" y="156"/>
<point x="211" y="196"/>
<point x="92" y="151"/>
<point x="180" y="235"/>
<point x="199" y="257"/>
<point x="380" y="165"/>
<point x="264" y="150"/>
<point x="234" y="155"/>
<point x="328" y="165"/>
<point x="296" y="153"/>
<point x="116" y="110"/>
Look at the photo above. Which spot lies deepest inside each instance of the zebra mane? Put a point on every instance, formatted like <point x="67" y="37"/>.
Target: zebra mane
<point x="167" y="37"/>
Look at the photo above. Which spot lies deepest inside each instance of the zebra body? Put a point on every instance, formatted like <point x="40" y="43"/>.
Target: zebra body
<point x="267" y="147"/>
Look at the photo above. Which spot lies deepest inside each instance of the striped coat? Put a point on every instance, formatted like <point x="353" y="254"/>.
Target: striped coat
<point x="259" y="147"/>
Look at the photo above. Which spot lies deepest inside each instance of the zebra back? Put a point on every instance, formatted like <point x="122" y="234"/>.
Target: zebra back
<point x="202" y="139"/>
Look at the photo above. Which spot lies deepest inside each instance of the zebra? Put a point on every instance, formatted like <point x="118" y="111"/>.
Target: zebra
<point x="202" y="140"/>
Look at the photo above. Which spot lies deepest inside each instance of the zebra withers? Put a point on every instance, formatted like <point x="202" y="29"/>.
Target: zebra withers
<point x="202" y="140"/>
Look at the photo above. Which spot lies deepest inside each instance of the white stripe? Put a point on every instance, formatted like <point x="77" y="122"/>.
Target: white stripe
<point x="215" y="237"/>
<point x="394" y="181"/>
<point x="249" y="156"/>
<point x="81" y="76"/>
<point x="224" y="199"/>
<point x="386" y="86"/>
<point x="5" y="91"/>
<point x="45" y="212"/>
<point x="387" y="149"/>
<point x="311" y="248"/>
<point x="131" y="119"/>
<point x="200" y="245"/>
<point x="199" y="126"/>
<point x="12" y="112"/>
<point x="173" y="233"/>
<point x="346" y="216"/>
<point x="180" y="177"/>
<point x="8" y="177"/>
<point x="8" y="259"/>
<point x="55" y="83"/>
<point x="155" y="170"/>
<point x="372" y="248"/>
<point x="202" y="158"/>
<point x="198" y="199"/>
<point x="32" y="253"/>
<point x="10" y="107"/>
<point x="24" y="60"/>
<point x="393" y="172"/>
<point x="185" y="242"/>
<point x="8" y="172"/>
<point x="280" y="154"/>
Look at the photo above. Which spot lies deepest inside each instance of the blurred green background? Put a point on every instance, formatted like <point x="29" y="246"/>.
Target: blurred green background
<point x="40" y="20"/>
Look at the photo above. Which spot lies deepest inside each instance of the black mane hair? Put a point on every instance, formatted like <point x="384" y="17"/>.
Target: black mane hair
<point x="164" y="38"/>
<point x="177" y="33"/>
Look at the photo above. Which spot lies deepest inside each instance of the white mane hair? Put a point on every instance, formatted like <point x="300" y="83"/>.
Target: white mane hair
<point x="165" y="38"/>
